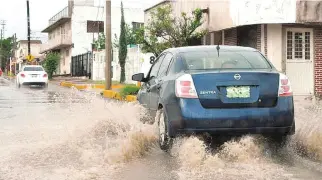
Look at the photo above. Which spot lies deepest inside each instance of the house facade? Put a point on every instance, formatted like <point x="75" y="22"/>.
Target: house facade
<point x="70" y="32"/>
<point x="287" y="32"/>
<point x="21" y="53"/>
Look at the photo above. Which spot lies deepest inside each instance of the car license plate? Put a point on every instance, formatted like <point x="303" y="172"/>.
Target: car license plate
<point x="34" y="76"/>
<point x="238" y="92"/>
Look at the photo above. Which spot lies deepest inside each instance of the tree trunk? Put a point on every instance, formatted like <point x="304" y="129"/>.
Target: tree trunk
<point x="50" y="75"/>
<point x="122" y="78"/>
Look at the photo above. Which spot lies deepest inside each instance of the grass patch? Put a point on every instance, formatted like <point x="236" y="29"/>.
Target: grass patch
<point x="129" y="90"/>
<point x="118" y="82"/>
<point x="99" y="82"/>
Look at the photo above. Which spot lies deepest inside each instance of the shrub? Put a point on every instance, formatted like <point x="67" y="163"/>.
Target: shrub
<point x="51" y="63"/>
<point x="129" y="90"/>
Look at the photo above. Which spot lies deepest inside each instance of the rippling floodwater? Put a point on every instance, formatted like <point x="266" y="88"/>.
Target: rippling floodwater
<point x="63" y="134"/>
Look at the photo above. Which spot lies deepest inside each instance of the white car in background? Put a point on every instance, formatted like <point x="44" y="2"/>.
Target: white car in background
<point x="32" y="75"/>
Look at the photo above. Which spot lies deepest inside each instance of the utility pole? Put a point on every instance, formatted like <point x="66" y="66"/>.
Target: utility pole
<point x="3" y="23"/>
<point x="28" y="26"/>
<point x="108" y="46"/>
<point x="13" y="52"/>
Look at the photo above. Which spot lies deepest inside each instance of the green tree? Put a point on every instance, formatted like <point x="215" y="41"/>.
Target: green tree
<point x="130" y="37"/>
<point x="51" y="63"/>
<point x="100" y="42"/>
<point x="5" y="51"/>
<point x="165" y="31"/>
<point x="122" y="46"/>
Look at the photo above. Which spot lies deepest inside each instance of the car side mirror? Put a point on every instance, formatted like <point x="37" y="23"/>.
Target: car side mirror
<point x="138" y="77"/>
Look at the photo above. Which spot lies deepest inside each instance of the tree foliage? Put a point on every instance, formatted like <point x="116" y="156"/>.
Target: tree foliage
<point x="122" y="46"/>
<point x="51" y="63"/>
<point x="165" y="30"/>
<point x="130" y="37"/>
<point x="5" y="51"/>
<point x="100" y="42"/>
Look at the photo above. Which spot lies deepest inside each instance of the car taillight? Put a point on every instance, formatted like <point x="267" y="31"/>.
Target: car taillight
<point x="45" y="75"/>
<point x="285" y="88"/>
<point x="185" y="87"/>
<point x="23" y="75"/>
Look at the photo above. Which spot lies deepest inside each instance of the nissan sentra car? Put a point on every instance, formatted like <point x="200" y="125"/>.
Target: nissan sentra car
<point x="220" y="90"/>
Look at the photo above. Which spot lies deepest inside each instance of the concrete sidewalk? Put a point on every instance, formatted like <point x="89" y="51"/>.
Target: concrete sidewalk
<point x="89" y="85"/>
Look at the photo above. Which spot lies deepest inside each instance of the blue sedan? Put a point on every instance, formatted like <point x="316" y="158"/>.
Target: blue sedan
<point x="220" y="90"/>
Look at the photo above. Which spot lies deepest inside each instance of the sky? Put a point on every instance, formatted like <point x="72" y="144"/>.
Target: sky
<point x="14" y="12"/>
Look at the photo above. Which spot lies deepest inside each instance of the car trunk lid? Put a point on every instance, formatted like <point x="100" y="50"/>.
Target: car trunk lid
<point x="236" y="89"/>
<point x="34" y="74"/>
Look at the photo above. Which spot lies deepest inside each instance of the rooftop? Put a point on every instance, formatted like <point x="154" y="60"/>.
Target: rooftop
<point x="158" y="4"/>
<point x="58" y="19"/>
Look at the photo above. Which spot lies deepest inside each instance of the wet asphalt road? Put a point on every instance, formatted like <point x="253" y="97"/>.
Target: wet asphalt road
<point x="56" y="133"/>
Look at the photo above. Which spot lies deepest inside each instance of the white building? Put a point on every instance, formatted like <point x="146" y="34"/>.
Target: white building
<point x="136" y="62"/>
<point x="67" y="30"/>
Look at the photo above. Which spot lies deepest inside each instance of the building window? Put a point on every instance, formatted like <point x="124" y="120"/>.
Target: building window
<point x="307" y="45"/>
<point x="289" y="45"/>
<point x="298" y="38"/>
<point x="137" y="25"/>
<point x="298" y="45"/>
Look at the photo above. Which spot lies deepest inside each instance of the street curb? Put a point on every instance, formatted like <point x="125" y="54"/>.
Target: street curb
<point x="110" y="94"/>
<point x="85" y="86"/>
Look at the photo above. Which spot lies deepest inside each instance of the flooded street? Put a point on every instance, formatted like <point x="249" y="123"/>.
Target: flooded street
<point x="65" y="134"/>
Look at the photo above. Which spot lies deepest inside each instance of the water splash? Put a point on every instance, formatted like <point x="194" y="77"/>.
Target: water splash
<point x="80" y="136"/>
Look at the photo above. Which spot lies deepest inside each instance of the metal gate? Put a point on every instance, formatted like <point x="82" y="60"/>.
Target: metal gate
<point x="81" y="65"/>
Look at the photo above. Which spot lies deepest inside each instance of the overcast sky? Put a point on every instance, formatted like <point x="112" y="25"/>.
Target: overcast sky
<point x="15" y="14"/>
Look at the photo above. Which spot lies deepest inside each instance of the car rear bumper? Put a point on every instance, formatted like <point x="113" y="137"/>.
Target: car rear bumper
<point x="28" y="82"/>
<point x="188" y="116"/>
<point x="39" y="83"/>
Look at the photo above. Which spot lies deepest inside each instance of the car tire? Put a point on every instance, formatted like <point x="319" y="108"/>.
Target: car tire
<point x="46" y="86"/>
<point x="165" y="141"/>
<point x="292" y="131"/>
<point x="278" y="142"/>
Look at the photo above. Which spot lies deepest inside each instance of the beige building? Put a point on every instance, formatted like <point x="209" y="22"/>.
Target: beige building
<point x="287" y="32"/>
<point x="21" y="51"/>
<point x="60" y="38"/>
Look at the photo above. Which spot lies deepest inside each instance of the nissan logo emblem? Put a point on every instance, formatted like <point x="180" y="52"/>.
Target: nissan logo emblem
<point x="237" y="76"/>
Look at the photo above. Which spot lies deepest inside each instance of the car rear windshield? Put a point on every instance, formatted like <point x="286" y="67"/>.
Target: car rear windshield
<point x="33" y="69"/>
<point x="203" y="60"/>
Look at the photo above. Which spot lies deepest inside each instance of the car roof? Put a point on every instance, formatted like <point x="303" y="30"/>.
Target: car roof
<point x="209" y="48"/>
<point x="32" y="66"/>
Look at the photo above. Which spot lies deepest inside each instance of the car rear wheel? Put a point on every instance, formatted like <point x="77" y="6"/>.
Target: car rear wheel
<point x="278" y="142"/>
<point x="165" y="141"/>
